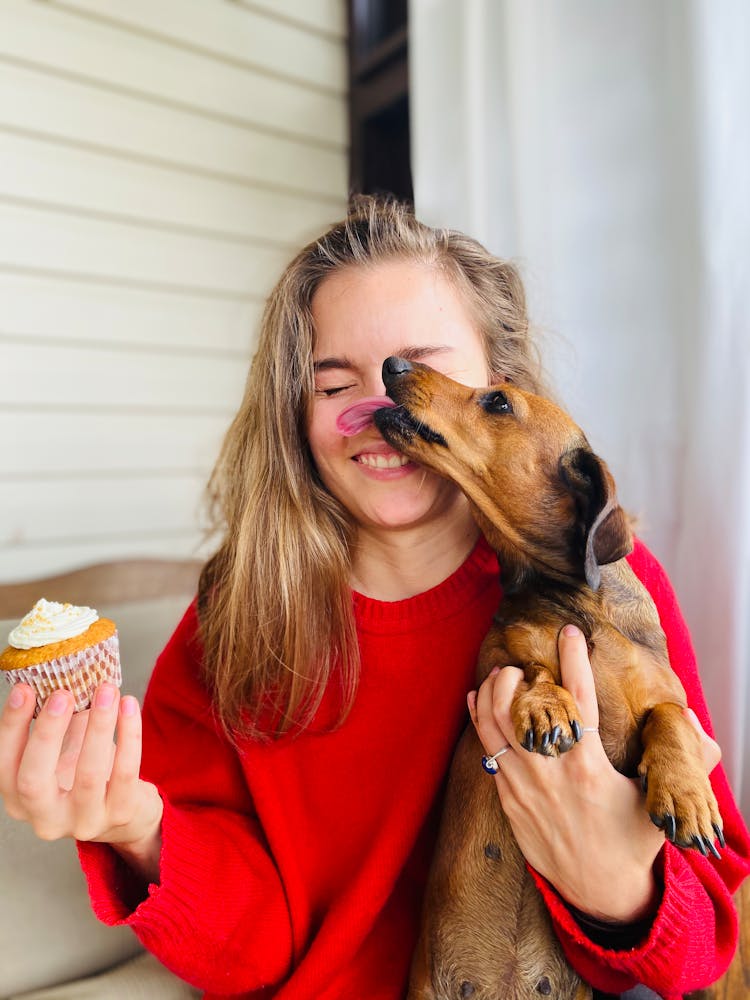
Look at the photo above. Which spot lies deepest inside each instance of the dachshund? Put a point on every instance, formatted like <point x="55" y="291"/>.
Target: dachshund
<point x="547" y="505"/>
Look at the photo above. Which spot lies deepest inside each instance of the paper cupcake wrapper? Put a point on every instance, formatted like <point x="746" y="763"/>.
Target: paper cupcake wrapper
<point x="80" y="672"/>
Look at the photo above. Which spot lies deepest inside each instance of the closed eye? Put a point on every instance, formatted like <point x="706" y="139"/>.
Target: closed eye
<point x="496" y="402"/>
<point x="334" y="390"/>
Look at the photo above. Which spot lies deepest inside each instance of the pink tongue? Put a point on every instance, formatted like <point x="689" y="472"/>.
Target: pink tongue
<point x="355" y="418"/>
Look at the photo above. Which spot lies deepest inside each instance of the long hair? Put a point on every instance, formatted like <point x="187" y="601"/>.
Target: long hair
<point x="275" y="605"/>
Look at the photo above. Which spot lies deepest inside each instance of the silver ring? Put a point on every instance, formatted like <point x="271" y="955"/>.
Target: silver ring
<point x="590" y="729"/>
<point x="490" y="764"/>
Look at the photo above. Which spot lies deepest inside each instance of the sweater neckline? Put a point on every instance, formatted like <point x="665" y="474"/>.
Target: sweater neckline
<point x="477" y="572"/>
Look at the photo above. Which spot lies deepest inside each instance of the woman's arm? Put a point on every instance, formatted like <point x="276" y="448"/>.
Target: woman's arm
<point x="576" y="819"/>
<point x="177" y="854"/>
<point x="218" y="916"/>
<point x="588" y="840"/>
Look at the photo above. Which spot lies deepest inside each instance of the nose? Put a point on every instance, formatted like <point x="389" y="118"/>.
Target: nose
<point x="393" y="367"/>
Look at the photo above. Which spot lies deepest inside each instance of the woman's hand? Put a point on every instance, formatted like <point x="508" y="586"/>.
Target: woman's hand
<point x="576" y="819"/>
<point x="66" y="777"/>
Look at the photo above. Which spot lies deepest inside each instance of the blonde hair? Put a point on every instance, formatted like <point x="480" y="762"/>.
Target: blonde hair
<point x="276" y="615"/>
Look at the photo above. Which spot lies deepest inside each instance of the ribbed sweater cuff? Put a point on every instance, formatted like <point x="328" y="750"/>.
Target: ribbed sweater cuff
<point x="173" y="903"/>
<point x="651" y="961"/>
<point x="118" y="894"/>
<point x="190" y="917"/>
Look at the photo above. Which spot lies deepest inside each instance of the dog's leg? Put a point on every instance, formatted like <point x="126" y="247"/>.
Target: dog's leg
<point x="679" y="797"/>
<point x="545" y="716"/>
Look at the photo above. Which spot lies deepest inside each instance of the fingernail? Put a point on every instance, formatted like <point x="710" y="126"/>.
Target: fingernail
<point x="129" y="706"/>
<point x="105" y="696"/>
<point x="571" y="630"/>
<point x="57" y="703"/>
<point x="16" y="698"/>
<point x="495" y="670"/>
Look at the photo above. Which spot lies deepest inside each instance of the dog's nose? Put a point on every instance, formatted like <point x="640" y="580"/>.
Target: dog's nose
<point x="393" y="367"/>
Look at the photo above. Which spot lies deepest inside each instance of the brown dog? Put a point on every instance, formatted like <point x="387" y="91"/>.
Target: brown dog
<point x="547" y="505"/>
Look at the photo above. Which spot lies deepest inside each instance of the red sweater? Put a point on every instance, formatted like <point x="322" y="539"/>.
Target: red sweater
<point x="295" y="869"/>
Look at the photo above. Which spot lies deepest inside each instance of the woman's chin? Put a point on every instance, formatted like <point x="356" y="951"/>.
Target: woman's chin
<point x="427" y="508"/>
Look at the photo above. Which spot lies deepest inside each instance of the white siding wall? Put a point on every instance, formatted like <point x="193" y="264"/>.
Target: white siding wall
<point x="160" y="161"/>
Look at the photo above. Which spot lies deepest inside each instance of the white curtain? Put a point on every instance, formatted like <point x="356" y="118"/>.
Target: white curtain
<point x="605" y="145"/>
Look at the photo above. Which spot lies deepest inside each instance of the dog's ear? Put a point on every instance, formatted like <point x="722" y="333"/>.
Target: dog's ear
<point x="602" y="533"/>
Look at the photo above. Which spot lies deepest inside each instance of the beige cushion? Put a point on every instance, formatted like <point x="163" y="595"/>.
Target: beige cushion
<point x="140" y="978"/>
<point x="48" y="934"/>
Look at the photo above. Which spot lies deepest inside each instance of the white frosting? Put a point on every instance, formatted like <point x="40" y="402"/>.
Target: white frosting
<point x="49" y="621"/>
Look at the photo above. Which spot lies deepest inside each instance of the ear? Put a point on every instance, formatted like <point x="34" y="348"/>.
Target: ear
<point x="602" y="532"/>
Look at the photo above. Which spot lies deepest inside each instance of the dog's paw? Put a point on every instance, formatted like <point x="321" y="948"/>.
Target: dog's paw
<point x="546" y="719"/>
<point x="681" y="802"/>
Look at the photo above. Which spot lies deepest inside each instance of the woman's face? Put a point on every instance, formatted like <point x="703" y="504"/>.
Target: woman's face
<point x="362" y="315"/>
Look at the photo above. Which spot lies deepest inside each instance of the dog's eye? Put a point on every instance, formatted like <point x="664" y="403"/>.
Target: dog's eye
<point x="496" y="402"/>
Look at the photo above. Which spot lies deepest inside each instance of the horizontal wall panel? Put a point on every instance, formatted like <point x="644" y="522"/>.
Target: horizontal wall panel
<point x="19" y="563"/>
<point x="97" y="506"/>
<point x="59" y="444"/>
<point x="160" y="165"/>
<point x="76" y="113"/>
<point x="85" y="49"/>
<point x="230" y="32"/>
<point x="59" y="242"/>
<point x="42" y="307"/>
<point x="326" y="16"/>
<point x="85" y="377"/>
<point x="38" y="171"/>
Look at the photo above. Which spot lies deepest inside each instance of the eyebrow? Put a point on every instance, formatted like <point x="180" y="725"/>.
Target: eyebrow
<point x="408" y="353"/>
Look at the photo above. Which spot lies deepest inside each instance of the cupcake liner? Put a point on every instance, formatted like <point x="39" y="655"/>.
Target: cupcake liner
<point x="81" y="672"/>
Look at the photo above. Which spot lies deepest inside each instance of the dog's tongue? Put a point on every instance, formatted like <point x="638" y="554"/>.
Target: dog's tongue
<point x="355" y="418"/>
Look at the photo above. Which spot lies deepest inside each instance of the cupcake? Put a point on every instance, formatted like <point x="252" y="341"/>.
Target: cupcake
<point x="62" y="646"/>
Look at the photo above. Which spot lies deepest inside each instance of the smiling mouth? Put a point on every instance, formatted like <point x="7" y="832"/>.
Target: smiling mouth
<point x="397" y="424"/>
<point x="373" y="461"/>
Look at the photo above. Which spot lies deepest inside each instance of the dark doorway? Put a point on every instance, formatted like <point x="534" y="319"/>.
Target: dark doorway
<point x="379" y="157"/>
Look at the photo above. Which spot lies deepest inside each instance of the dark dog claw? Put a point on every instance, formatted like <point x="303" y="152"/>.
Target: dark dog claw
<point x="529" y="741"/>
<point x="719" y="835"/>
<point x="700" y="844"/>
<point x="577" y="730"/>
<point x="565" y="744"/>
<point x="707" y="846"/>
<point x="555" y="735"/>
<point x="644" y="783"/>
<point x="668" y="824"/>
<point x="712" y="848"/>
<point x="546" y="740"/>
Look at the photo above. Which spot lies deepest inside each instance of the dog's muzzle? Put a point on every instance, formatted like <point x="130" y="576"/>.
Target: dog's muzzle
<point x="399" y="422"/>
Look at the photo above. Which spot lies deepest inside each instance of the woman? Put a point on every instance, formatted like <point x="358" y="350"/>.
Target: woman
<point x="300" y="722"/>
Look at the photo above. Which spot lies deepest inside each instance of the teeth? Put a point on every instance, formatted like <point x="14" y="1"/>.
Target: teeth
<point x="383" y="461"/>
